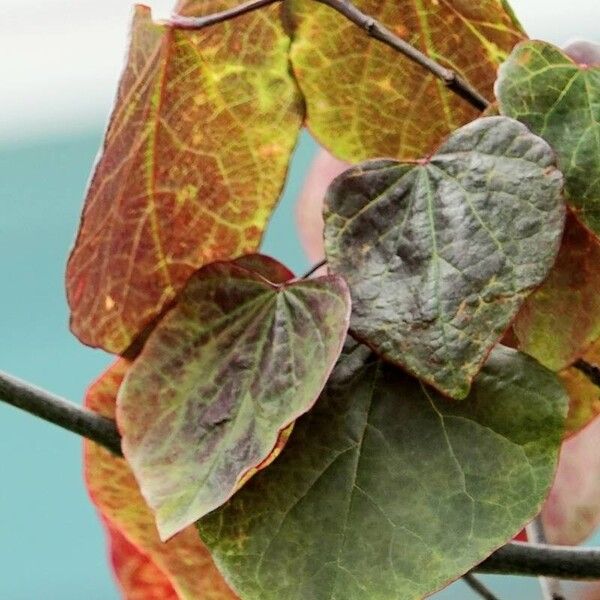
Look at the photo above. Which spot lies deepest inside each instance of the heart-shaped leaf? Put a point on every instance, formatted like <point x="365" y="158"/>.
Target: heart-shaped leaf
<point x="387" y="490"/>
<point x="183" y="561"/>
<point x="366" y="100"/>
<point x="561" y="318"/>
<point x="440" y="254"/>
<point x="559" y="100"/>
<point x="193" y="163"/>
<point x="235" y="362"/>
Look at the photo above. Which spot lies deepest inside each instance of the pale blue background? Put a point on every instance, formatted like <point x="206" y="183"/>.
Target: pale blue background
<point x="59" y="61"/>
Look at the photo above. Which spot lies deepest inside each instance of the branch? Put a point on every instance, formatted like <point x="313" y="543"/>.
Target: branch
<point x="513" y="559"/>
<point x="61" y="412"/>
<point x="534" y="560"/>
<point x="371" y="26"/>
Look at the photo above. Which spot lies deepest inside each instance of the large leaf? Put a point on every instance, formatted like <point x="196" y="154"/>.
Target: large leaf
<point x="387" y="490"/>
<point x="366" y="100"/>
<point x="183" y="561"/>
<point x="193" y="162"/>
<point x="440" y="254"/>
<point x="562" y="318"/>
<point x="225" y="372"/>
<point x="572" y="512"/>
<point x="559" y="100"/>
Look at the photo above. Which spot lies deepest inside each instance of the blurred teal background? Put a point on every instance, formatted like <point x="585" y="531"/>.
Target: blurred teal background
<point x="58" y="74"/>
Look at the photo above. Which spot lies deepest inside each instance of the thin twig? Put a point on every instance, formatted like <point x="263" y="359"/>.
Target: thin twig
<point x="61" y="412"/>
<point x="371" y="26"/>
<point x="195" y="23"/>
<point x="478" y="587"/>
<point x="314" y="269"/>
<point x="551" y="588"/>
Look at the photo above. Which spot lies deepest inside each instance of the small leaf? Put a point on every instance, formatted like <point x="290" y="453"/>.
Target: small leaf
<point x="440" y="254"/>
<point x="193" y="163"/>
<point x="560" y="101"/>
<point x="184" y="560"/>
<point x="572" y="511"/>
<point x="365" y="99"/>
<point x="225" y="372"/>
<point x="387" y="490"/>
<point x="562" y="318"/>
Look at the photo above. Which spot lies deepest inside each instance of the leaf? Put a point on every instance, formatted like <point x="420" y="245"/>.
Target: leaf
<point x="366" y="100"/>
<point x="225" y="372"/>
<point x="572" y="511"/>
<point x="184" y="561"/>
<point x="193" y="163"/>
<point x="560" y="101"/>
<point x="139" y="578"/>
<point x="562" y="318"/>
<point x="584" y="394"/>
<point x="440" y="254"/>
<point x="386" y="490"/>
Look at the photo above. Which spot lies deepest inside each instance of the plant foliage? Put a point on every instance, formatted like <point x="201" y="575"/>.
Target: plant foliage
<point x="396" y="467"/>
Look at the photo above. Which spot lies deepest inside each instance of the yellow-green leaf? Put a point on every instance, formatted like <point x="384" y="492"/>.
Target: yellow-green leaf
<point x="365" y="100"/>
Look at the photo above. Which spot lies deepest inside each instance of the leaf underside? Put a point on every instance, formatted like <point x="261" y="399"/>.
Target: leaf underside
<point x="559" y="100"/>
<point x="439" y="255"/>
<point x="192" y="165"/>
<point x="223" y="374"/>
<point x="184" y="560"/>
<point x="366" y="100"/>
<point x="387" y="490"/>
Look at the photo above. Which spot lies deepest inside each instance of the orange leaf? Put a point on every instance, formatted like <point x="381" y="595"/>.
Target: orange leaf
<point x="193" y="163"/>
<point x="562" y="318"/>
<point x="138" y="576"/>
<point x="184" y="560"/>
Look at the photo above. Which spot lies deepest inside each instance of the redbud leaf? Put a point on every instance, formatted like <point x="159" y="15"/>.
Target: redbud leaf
<point x="192" y="165"/>
<point x="440" y="254"/>
<point x="365" y="99"/>
<point x="388" y="490"/>
<point x="232" y="365"/>
<point x="559" y="100"/>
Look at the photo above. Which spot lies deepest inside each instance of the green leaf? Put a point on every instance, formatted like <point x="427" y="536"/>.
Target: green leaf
<point x="387" y="490"/>
<point x="560" y="101"/>
<point x="440" y="254"/>
<point x="232" y="365"/>
<point x="364" y="99"/>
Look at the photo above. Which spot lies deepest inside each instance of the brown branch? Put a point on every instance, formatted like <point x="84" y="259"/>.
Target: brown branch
<point x="371" y="26"/>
